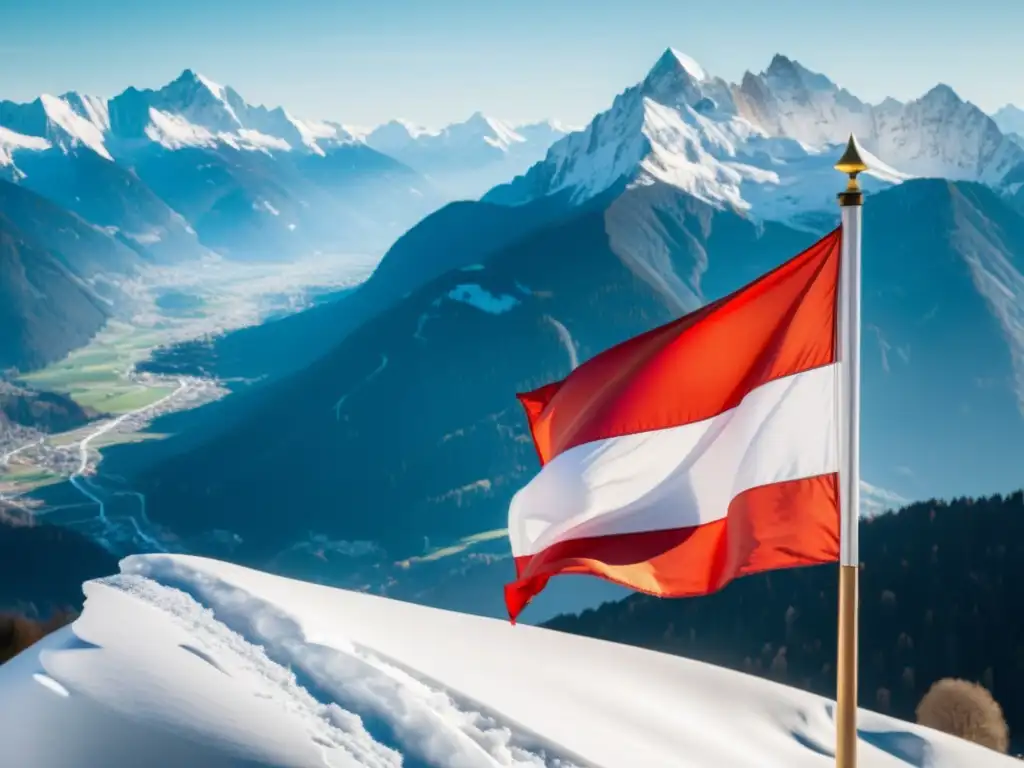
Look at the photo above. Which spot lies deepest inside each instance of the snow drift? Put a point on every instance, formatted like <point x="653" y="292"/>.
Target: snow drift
<point x="185" y="661"/>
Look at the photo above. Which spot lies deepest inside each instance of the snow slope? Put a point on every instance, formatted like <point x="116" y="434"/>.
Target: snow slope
<point x="11" y="142"/>
<point x="184" y="661"/>
<point x="68" y="122"/>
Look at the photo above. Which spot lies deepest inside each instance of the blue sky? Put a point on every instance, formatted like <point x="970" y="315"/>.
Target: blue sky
<point x="435" y="61"/>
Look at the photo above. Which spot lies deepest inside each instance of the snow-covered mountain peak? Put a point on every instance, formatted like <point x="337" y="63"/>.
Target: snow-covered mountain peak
<point x="215" y="88"/>
<point x="198" y="100"/>
<point x="784" y="73"/>
<point x="478" y="118"/>
<point x="397" y="133"/>
<point x="479" y="127"/>
<point x="672" y="62"/>
<point x="195" y="111"/>
<point x="400" y="136"/>
<point x="765" y="145"/>
<point x="780" y="65"/>
<point x="942" y="95"/>
<point x="466" y="158"/>
<point x="940" y="135"/>
<point x="789" y="100"/>
<point x="190" y="81"/>
<point x="542" y="133"/>
<point x="676" y="79"/>
<point x="1010" y="119"/>
<point x="549" y="124"/>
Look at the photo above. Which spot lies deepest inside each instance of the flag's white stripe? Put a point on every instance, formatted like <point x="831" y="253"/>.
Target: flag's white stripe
<point x="682" y="476"/>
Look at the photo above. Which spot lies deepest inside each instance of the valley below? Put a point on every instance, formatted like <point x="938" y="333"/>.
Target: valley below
<point x="55" y="422"/>
<point x="160" y="374"/>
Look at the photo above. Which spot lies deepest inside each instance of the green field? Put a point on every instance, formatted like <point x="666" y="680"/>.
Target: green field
<point x="117" y="400"/>
<point x="123" y="438"/>
<point x="25" y="478"/>
<point x="94" y="376"/>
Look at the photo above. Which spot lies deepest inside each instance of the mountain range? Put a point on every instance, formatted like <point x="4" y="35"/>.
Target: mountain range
<point x="396" y="430"/>
<point x="191" y="165"/>
<point x="466" y="159"/>
<point x="106" y="186"/>
<point x="1010" y="120"/>
<point x="765" y="146"/>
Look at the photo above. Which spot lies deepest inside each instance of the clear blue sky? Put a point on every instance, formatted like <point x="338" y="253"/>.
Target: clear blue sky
<point x="435" y="61"/>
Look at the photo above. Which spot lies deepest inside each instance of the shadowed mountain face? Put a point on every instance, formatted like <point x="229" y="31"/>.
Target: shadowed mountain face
<point x="46" y="309"/>
<point x="82" y="247"/>
<point x="109" y="195"/>
<point x="942" y="343"/>
<point x="45" y="411"/>
<point x="61" y="277"/>
<point x="406" y="435"/>
<point x="253" y="205"/>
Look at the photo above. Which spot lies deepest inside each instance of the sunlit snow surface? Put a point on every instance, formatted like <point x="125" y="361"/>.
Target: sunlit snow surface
<point x="11" y="142"/>
<point x="189" y="662"/>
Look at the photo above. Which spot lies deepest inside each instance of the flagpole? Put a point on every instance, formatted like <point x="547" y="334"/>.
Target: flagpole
<point x="848" y="330"/>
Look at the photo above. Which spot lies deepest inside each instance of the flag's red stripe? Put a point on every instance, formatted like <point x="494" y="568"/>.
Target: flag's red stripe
<point x="782" y="525"/>
<point x="699" y="365"/>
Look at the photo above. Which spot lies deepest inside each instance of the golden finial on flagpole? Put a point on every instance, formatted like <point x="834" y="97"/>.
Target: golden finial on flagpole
<point x="852" y="165"/>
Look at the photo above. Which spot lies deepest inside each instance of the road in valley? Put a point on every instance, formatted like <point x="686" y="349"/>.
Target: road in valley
<point x="76" y="459"/>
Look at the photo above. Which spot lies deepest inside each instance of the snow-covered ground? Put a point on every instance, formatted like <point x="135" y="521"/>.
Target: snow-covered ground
<point x="182" y="661"/>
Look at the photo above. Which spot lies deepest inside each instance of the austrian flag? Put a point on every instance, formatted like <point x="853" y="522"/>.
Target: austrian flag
<point x="698" y="452"/>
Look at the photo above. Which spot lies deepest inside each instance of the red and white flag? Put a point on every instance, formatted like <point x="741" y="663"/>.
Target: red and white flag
<point x="696" y="453"/>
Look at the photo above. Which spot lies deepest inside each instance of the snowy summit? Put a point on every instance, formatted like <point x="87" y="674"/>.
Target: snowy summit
<point x="181" y="661"/>
<point x="766" y="145"/>
<point x="469" y="157"/>
<point x="195" y="112"/>
<point x="190" y="111"/>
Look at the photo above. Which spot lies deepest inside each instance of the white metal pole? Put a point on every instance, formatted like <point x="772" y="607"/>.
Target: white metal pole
<point x="849" y="403"/>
